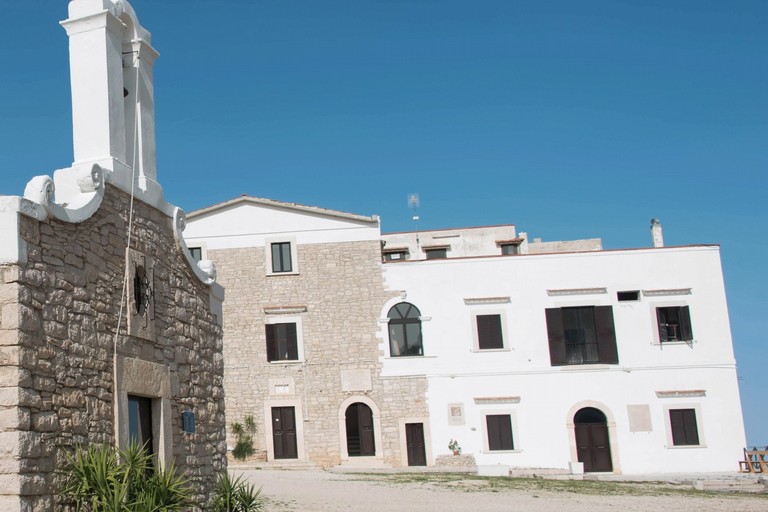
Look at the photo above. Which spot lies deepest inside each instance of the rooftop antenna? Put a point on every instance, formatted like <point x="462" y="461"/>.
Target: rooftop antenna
<point x="413" y="204"/>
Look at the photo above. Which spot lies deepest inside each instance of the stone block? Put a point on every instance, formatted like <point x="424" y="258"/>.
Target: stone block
<point x="9" y="355"/>
<point x="576" y="468"/>
<point x="10" y="502"/>
<point x="9" y="397"/>
<point x="45" y="422"/>
<point x="10" y="316"/>
<point x="9" y="418"/>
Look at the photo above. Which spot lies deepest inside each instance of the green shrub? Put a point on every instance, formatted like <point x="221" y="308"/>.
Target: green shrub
<point x="236" y="495"/>
<point x="244" y="438"/>
<point x="103" y="478"/>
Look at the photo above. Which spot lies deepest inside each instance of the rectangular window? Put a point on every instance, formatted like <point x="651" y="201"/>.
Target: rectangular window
<point x="282" y="342"/>
<point x="196" y="253"/>
<point x="581" y="335"/>
<point x="281" y="257"/>
<point x="628" y="296"/>
<point x="489" y="333"/>
<point x="509" y="249"/>
<point x="433" y="254"/>
<point x="684" y="429"/>
<point x="499" y="432"/>
<point x="674" y="323"/>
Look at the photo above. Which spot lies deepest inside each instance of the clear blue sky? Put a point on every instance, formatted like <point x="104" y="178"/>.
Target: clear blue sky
<point x="569" y="119"/>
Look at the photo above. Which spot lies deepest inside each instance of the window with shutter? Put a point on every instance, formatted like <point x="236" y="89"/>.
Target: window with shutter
<point x="581" y="335"/>
<point x="282" y="342"/>
<point x="499" y="432"/>
<point x="685" y="431"/>
<point x="674" y="323"/>
<point x="489" y="332"/>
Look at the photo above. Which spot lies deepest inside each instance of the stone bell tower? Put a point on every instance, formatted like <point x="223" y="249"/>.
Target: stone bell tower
<point x="113" y="112"/>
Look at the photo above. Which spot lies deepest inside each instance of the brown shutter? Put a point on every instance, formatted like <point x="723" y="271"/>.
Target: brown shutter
<point x="685" y="324"/>
<point x="606" y="335"/>
<point x="660" y="324"/>
<point x="499" y="432"/>
<point x="489" y="333"/>
<point x="684" y="429"/>
<point x="556" y="336"/>
<point x="293" y="344"/>
<point x="271" y="342"/>
<point x="691" y="429"/>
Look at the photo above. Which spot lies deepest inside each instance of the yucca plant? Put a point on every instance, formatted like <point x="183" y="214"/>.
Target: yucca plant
<point x="244" y="438"/>
<point x="103" y="478"/>
<point x="234" y="494"/>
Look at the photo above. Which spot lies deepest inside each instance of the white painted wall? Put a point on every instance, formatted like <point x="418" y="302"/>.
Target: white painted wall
<point x="548" y="395"/>
<point x="245" y="224"/>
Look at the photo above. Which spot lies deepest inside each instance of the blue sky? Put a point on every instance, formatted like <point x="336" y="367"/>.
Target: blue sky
<point x="569" y="119"/>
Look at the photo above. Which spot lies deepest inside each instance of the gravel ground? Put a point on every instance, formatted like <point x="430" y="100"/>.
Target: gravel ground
<point x="323" y="491"/>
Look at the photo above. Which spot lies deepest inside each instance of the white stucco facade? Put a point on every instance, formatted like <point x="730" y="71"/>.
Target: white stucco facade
<point x="519" y="379"/>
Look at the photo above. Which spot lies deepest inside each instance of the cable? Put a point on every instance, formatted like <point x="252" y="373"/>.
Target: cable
<point x="123" y="297"/>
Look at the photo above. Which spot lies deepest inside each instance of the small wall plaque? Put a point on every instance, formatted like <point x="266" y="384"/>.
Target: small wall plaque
<point x="188" y="422"/>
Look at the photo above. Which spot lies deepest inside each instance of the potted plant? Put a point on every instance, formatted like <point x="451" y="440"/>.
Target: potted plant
<point x="453" y="445"/>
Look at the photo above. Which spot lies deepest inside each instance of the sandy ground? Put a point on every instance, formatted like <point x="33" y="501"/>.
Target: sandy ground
<point x="321" y="491"/>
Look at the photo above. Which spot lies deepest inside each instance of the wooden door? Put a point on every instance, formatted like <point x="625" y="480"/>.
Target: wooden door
<point x="414" y="439"/>
<point x="593" y="447"/>
<point x="284" y="432"/>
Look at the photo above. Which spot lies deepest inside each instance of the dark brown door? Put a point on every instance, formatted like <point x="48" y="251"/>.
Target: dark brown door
<point x="414" y="438"/>
<point x="592" y="443"/>
<point x="284" y="432"/>
<point x="360" y="437"/>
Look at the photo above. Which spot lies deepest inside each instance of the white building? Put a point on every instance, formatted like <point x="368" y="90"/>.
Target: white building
<point x="620" y="359"/>
<point x="549" y="355"/>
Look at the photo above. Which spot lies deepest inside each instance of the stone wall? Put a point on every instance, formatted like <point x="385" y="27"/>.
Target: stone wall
<point x="338" y="295"/>
<point x="59" y="315"/>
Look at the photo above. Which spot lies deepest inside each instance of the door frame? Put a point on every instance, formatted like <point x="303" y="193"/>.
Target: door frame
<point x="268" y="434"/>
<point x="424" y="420"/>
<point x="612" y="434"/>
<point x="342" y="415"/>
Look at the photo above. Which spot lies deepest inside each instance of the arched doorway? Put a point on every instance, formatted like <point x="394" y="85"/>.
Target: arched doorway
<point x="593" y="446"/>
<point x="360" y="437"/>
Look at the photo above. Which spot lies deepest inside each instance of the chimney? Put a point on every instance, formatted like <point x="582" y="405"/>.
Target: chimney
<point x="657" y="238"/>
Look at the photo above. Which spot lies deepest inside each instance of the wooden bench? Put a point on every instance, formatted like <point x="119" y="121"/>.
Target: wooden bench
<point x="755" y="461"/>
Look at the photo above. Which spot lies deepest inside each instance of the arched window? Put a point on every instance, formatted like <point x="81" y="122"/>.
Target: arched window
<point x="405" y="330"/>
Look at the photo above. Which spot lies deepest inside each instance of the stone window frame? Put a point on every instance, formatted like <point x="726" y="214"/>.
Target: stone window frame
<point x="268" y="256"/>
<point x="202" y="247"/>
<point x="699" y="426"/>
<point x="505" y="411"/>
<point x="287" y="319"/>
<point x="140" y="325"/>
<point x="504" y="330"/>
